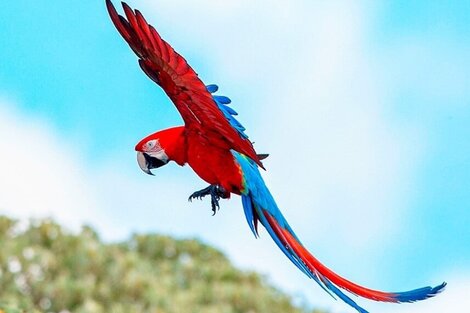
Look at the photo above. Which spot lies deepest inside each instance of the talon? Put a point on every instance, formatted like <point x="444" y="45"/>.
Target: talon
<point x="215" y="204"/>
<point x="215" y="191"/>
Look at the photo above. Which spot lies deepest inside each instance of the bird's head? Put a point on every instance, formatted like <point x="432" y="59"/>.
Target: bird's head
<point x="159" y="148"/>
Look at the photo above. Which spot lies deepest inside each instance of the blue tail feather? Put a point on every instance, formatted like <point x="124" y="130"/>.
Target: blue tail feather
<point x="263" y="199"/>
<point x="419" y="294"/>
<point x="343" y="296"/>
<point x="248" y="208"/>
<point x="258" y="203"/>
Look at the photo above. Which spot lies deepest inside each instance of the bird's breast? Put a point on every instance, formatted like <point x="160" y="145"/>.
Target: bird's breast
<point x="215" y="165"/>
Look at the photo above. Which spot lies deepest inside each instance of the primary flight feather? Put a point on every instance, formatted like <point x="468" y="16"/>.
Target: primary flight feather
<point x="214" y="144"/>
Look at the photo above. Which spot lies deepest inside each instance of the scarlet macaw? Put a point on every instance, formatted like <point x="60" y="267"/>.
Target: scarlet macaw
<point x="216" y="147"/>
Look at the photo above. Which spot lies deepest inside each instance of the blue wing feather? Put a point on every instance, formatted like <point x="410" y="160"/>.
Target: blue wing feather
<point x="222" y="99"/>
<point x="228" y="112"/>
<point x="212" y="88"/>
<point x="228" y="109"/>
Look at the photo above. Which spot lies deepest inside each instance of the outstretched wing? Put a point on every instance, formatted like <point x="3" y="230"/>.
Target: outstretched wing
<point x="201" y="111"/>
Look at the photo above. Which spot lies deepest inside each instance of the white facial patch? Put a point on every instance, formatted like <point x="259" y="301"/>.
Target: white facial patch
<point x="154" y="149"/>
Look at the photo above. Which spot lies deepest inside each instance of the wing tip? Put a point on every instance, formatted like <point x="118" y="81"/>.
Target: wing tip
<point x="125" y="6"/>
<point x="128" y="11"/>
<point x="118" y="20"/>
<point x="110" y="7"/>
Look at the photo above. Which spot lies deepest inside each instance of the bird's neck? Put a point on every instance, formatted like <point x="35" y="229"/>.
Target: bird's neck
<point x="173" y="140"/>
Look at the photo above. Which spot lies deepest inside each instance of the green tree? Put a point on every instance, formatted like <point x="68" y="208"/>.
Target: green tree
<point x="44" y="268"/>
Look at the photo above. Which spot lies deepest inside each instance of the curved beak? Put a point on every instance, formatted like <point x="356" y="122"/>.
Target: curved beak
<point x="143" y="162"/>
<point x="148" y="162"/>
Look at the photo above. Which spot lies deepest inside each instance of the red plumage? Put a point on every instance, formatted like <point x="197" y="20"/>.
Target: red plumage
<point x="207" y="131"/>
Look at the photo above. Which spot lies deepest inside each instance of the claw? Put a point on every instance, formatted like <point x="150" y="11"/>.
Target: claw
<point x="216" y="192"/>
<point x="199" y="194"/>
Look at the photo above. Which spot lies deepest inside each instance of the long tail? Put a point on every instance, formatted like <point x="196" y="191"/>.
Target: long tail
<point x="259" y="206"/>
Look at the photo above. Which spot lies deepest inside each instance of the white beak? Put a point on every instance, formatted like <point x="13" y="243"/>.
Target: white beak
<point x="142" y="159"/>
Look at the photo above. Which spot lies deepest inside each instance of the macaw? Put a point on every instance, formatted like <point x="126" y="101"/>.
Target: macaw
<point x="215" y="146"/>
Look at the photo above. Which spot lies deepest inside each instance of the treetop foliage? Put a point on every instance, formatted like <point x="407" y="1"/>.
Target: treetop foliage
<point x="44" y="268"/>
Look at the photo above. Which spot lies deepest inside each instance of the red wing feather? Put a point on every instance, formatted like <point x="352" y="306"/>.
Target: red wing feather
<point x="180" y="82"/>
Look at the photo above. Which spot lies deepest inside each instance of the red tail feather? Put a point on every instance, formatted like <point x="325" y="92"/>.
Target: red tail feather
<point x="319" y="269"/>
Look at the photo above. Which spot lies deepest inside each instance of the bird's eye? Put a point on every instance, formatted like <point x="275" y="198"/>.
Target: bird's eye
<point x="151" y="144"/>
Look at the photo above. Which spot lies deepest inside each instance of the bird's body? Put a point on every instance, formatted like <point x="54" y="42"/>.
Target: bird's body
<point x="216" y="165"/>
<point x="213" y="143"/>
<point x="213" y="163"/>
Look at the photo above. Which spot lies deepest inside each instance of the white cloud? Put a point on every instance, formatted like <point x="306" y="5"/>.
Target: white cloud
<point x="43" y="175"/>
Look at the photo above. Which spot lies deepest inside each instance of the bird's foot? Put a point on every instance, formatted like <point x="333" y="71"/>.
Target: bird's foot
<point x="215" y="191"/>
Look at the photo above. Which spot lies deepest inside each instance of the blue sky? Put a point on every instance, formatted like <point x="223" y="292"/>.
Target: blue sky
<point x="368" y="102"/>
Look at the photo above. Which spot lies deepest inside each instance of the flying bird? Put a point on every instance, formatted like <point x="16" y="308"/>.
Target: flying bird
<point x="214" y="144"/>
